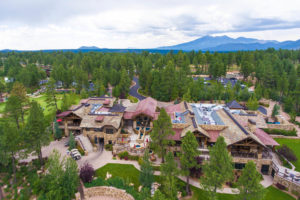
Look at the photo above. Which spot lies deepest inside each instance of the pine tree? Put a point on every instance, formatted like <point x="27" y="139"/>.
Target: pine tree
<point x="249" y="183"/>
<point x="57" y="130"/>
<point x="51" y="93"/>
<point x="218" y="169"/>
<point x="146" y="175"/>
<point x="162" y="128"/>
<point x="252" y="103"/>
<point x="36" y="135"/>
<point x="72" y="142"/>
<point x="169" y="171"/>
<point x="189" y="151"/>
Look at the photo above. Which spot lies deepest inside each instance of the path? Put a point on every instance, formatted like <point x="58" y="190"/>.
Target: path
<point x="86" y="143"/>
<point x="134" y="90"/>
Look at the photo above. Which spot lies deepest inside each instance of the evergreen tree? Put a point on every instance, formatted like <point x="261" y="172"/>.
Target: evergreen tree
<point x="36" y="135"/>
<point x="169" y="171"/>
<point x="252" y="103"/>
<point x="249" y="183"/>
<point x="275" y="110"/>
<point x="72" y="142"/>
<point x="66" y="102"/>
<point x="57" y="130"/>
<point x="189" y="152"/>
<point x="162" y="128"/>
<point x="61" y="180"/>
<point x="146" y="175"/>
<point x="19" y="92"/>
<point x="218" y="169"/>
<point x="51" y="93"/>
<point x="83" y="94"/>
<point x="159" y="196"/>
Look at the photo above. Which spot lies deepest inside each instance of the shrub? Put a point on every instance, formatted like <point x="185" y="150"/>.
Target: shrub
<point x="281" y="132"/>
<point x="81" y="151"/>
<point x="86" y="173"/>
<point x="108" y="147"/>
<point x="156" y="168"/>
<point x="140" y="160"/>
<point x="280" y="186"/>
<point x="123" y="154"/>
<point x="287" y="153"/>
<point x="130" y="157"/>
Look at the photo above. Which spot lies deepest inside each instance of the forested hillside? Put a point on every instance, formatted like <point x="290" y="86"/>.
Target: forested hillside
<point x="275" y="74"/>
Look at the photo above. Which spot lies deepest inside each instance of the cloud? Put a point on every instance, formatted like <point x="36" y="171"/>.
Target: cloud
<point x="46" y="24"/>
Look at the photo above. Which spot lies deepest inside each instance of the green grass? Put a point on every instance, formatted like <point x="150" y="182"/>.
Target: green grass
<point x="132" y="99"/>
<point x="125" y="171"/>
<point x="42" y="101"/>
<point x="129" y="172"/>
<point x="293" y="144"/>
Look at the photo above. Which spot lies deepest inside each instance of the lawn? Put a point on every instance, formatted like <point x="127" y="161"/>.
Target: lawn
<point x="129" y="172"/>
<point x="293" y="144"/>
<point x="42" y="101"/>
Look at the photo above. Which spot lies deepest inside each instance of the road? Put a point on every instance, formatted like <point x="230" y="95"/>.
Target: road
<point x="134" y="90"/>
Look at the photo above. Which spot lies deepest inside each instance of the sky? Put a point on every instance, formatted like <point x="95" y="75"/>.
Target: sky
<point x="69" y="24"/>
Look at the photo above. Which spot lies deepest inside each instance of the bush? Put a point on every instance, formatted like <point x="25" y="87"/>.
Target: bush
<point x="287" y="153"/>
<point x="123" y="155"/>
<point x="280" y="132"/>
<point x="280" y="186"/>
<point x="81" y="151"/>
<point x="130" y="157"/>
<point x="108" y="147"/>
<point x="86" y="173"/>
<point x="140" y="161"/>
<point x="156" y="168"/>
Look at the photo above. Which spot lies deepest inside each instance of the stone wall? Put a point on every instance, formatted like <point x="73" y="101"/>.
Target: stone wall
<point x="287" y="127"/>
<point x="258" y="162"/>
<point x="105" y="191"/>
<point x="292" y="186"/>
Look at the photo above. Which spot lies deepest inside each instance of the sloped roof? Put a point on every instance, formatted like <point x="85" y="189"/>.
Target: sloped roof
<point x="147" y="107"/>
<point x="234" y="105"/>
<point x="265" y="138"/>
<point x="262" y="110"/>
<point x="89" y="121"/>
<point x="177" y="135"/>
<point x="64" y="114"/>
<point x="214" y="134"/>
<point x="117" y="108"/>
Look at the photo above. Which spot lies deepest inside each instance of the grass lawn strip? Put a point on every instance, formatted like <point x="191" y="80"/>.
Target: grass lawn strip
<point x="293" y="144"/>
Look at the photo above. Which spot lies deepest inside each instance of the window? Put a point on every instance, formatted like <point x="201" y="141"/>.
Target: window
<point x="109" y="131"/>
<point x="109" y="142"/>
<point x="97" y="129"/>
<point x="96" y="141"/>
<point x="87" y="129"/>
<point x="239" y="165"/>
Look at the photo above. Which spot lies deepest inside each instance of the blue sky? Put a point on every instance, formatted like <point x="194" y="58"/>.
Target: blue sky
<point x="53" y="24"/>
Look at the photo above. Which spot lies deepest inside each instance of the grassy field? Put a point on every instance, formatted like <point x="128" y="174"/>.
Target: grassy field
<point x="42" y="101"/>
<point x="129" y="172"/>
<point x="293" y="144"/>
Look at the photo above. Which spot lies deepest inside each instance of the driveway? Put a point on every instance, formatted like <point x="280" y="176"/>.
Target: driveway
<point x="134" y="90"/>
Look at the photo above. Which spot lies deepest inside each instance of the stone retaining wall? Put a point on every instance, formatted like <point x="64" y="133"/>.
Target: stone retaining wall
<point x="291" y="186"/>
<point x="287" y="127"/>
<point x="105" y="191"/>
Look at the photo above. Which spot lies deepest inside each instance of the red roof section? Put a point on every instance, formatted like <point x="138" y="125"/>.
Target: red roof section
<point x="213" y="135"/>
<point x="99" y="118"/>
<point x="174" y="108"/>
<point x="146" y="107"/>
<point x="177" y="135"/>
<point x="265" y="138"/>
<point x="106" y="101"/>
<point x="128" y="115"/>
<point x="64" y="114"/>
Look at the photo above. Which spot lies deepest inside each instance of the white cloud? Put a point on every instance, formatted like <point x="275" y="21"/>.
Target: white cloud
<point x="53" y="24"/>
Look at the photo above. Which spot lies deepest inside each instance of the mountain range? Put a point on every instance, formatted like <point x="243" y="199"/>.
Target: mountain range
<point x="225" y="43"/>
<point x="206" y="43"/>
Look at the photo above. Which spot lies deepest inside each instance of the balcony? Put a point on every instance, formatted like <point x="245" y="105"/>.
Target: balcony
<point x="244" y="155"/>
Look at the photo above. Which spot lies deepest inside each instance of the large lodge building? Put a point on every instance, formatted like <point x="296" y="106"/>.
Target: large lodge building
<point x="127" y="126"/>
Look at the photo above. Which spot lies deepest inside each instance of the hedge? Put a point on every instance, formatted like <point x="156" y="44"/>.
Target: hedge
<point x="280" y="132"/>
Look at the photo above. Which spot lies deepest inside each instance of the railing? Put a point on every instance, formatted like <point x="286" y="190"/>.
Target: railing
<point x="244" y="155"/>
<point x="286" y="175"/>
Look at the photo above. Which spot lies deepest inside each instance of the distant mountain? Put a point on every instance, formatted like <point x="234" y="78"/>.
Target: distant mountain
<point x="89" y="47"/>
<point x="225" y="43"/>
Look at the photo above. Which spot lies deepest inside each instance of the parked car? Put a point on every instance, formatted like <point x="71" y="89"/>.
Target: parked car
<point x="66" y="143"/>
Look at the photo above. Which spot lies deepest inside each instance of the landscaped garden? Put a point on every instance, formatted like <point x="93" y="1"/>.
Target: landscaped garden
<point x="293" y="144"/>
<point x="130" y="174"/>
